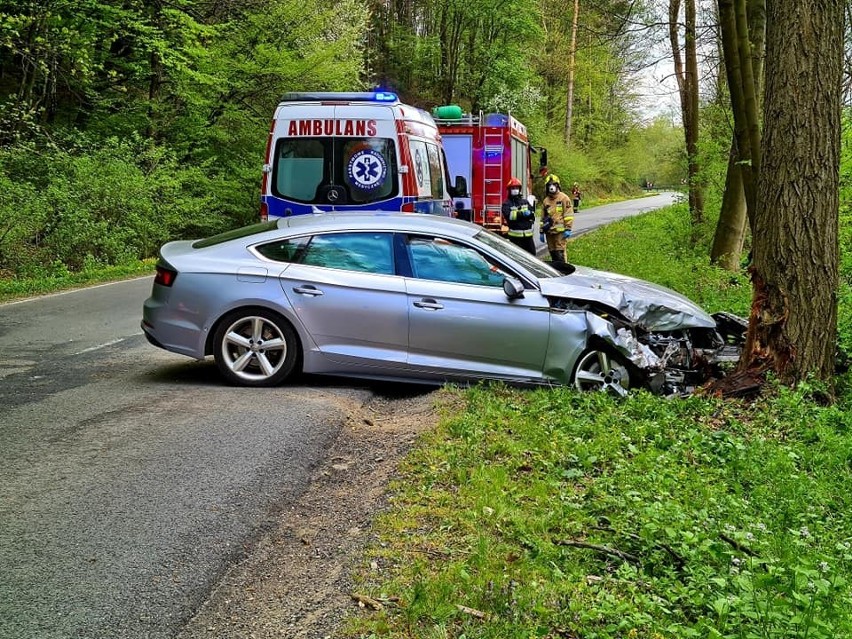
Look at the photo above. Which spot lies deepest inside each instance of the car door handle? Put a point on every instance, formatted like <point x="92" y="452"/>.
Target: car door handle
<point x="429" y="303"/>
<point x="313" y="291"/>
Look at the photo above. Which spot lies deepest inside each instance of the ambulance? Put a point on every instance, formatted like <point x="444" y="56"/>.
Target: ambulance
<point x="354" y="152"/>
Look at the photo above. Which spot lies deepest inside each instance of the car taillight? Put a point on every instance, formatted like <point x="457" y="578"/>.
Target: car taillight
<point x="264" y="212"/>
<point x="408" y="208"/>
<point x="165" y="276"/>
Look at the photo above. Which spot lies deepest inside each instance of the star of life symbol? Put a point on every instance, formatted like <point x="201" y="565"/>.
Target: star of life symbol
<point x="367" y="169"/>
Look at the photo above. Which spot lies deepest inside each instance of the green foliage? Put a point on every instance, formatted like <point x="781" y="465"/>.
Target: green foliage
<point x="57" y="277"/>
<point x="555" y="513"/>
<point x="124" y="124"/>
<point x="113" y="204"/>
<point x="655" y="153"/>
<point x="844" y="319"/>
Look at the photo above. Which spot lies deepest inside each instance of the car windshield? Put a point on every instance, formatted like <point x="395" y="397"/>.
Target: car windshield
<point x="519" y="255"/>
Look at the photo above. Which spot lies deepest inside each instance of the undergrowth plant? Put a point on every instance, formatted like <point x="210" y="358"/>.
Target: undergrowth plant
<point x="552" y="513"/>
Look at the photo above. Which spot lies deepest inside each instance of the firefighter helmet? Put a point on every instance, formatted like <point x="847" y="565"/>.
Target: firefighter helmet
<point x="552" y="178"/>
<point x="514" y="183"/>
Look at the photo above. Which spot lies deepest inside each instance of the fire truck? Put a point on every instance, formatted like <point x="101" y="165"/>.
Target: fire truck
<point x="487" y="150"/>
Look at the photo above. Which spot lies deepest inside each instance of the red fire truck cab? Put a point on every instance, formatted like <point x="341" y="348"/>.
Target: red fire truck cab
<point x="487" y="150"/>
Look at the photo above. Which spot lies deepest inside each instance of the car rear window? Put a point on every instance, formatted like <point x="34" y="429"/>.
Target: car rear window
<point x="227" y="236"/>
<point x="366" y="252"/>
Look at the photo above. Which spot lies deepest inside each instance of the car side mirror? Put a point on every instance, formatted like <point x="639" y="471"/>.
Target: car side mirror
<point x="460" y="187"/>
<point x="542" y="158"/>
<point x="513" y="288"/>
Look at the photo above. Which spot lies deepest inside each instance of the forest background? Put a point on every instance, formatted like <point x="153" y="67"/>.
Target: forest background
<point x="127" y="123"/>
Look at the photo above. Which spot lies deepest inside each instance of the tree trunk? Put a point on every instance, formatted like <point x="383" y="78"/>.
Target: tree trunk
<point x="793" y="323"/>
<point x="696" y="188"/>
<point x="569" y="112"/>
<point x="730" y="231"/>
<point x="687" y="82"/>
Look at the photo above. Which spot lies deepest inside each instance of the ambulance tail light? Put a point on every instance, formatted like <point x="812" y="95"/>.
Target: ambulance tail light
<point x="408" y="207"/>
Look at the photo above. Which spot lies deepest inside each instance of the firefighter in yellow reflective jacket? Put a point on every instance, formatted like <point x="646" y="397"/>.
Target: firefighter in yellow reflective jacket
<point x="557" y="218"/>
<point x="519" y="217"/>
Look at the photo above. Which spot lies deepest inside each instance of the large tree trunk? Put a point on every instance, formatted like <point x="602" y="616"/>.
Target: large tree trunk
<point x="793" y="323"/>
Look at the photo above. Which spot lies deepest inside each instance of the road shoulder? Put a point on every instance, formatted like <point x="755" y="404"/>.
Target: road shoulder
<point x="295" y="582"/>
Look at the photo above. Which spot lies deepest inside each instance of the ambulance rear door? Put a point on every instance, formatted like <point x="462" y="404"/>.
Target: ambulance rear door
<point x="367" y="165"/>
<point x="334" y="157"/>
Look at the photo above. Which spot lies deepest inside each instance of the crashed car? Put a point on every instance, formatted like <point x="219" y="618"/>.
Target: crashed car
<point x="422" y="298"/>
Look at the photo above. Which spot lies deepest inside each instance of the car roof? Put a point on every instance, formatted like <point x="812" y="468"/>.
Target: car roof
<point x="379" y="220"/>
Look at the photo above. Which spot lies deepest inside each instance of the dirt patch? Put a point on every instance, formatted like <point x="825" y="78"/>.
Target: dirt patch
<point x="296" y="582"/>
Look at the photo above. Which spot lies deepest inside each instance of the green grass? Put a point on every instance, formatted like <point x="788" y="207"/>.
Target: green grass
<point x="13" y="288"/>
<point x="557" y="514"/>
<point x="551" y="513"/>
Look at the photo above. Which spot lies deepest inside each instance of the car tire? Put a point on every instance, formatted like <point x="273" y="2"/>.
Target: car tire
<point x="601" y="370"/>
<point x="255" y="347"/>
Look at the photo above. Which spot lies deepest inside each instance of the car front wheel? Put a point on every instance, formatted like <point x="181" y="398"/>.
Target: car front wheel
<point x="598" y="370"/>
<point x="255" y="347"/>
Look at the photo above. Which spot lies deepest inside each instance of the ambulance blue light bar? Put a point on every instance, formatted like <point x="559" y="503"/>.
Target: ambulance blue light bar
<point x="331" y="96"/>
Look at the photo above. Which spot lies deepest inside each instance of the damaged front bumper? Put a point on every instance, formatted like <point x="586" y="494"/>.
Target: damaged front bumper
<point x="679" y="361"/>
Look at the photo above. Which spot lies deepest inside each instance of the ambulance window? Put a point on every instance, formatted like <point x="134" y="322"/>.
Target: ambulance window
<point x="436" y="172"/>
<point x="420" y="160"/>
<point x="368" y="168"/>
<point x="299" y="168"/>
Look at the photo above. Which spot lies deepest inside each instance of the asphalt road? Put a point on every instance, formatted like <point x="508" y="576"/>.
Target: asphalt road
<point x="588" y="219"/>
<point x="132" y="478"/>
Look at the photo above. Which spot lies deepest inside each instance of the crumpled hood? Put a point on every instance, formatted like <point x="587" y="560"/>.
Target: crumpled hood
<point x="653" y="307"/>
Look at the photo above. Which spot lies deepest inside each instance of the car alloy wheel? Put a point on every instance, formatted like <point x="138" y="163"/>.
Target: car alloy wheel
<point x="599" y="371"/>
<point x="255" y="348"/>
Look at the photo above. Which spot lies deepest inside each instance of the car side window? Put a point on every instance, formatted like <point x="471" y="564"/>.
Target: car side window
<point x="435" y="258"/>
<point x="366" y="252"/>
<point x="286" y="250"/>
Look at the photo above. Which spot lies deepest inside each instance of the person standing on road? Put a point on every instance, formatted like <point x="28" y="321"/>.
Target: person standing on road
<point x="519" y="217"/>
<point x="576" y="195"/>
<point x="557" y="218"/>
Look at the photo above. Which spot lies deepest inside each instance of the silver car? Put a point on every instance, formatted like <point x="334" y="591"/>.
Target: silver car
<point x="422" y="298"/>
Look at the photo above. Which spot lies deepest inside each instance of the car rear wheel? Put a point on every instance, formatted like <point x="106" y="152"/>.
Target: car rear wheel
<point x="598" y="370"/>
<point x="255" y="347"/>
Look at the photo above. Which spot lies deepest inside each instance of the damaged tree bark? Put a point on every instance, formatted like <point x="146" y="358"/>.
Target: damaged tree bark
<point x="793" y="322"/>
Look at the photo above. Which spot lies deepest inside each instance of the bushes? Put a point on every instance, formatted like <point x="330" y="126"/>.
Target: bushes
<point x="108" y="205"/>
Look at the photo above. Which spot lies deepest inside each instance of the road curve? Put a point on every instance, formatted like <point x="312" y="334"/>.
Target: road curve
<point x="588" y="219"/>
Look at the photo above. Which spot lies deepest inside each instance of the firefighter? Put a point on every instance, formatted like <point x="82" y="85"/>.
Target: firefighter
<point x="557" y="218"/>
<point x="519" y="217"/>
<point x="576" y="195"/>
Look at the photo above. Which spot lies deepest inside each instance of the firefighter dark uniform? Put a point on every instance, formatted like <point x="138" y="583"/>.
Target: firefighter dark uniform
<point x="557" y="218"/>
<point x="519" y="217"/>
